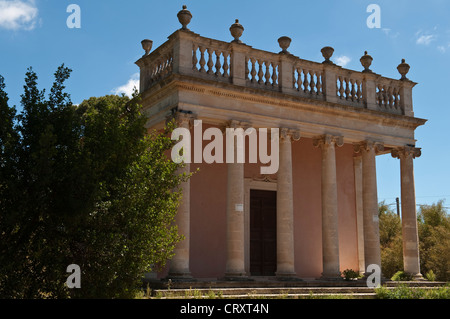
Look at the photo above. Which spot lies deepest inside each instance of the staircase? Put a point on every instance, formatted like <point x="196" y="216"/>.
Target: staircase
<point x="272" y="289"/>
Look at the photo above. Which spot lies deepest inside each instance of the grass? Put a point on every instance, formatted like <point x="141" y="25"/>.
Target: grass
<point x="405" y="292"/>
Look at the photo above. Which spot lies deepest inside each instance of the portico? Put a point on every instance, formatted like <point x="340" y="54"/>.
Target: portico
<point x="332" y="123"/>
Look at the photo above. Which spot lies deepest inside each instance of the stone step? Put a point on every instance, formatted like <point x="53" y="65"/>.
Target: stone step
<point x="262" y="291"/>
<point x="278" y="296"/>
<point x="216" y="284"/>
<point x="280" y="292"/>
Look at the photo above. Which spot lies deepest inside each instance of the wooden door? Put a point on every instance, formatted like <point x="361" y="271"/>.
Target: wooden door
<point x="263" y="235"/>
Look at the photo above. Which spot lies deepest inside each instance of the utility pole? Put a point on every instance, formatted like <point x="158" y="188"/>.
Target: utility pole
<point x="397" y="200"/>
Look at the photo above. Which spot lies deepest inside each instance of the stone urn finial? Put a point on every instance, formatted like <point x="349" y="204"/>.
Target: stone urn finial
<point x="184" y="16"/>
<point x="366" y="61"/>
<point x="403" y="69"/>
<point x="236" y="30"/>
<point x="327" y="53"/>
<point x="147" y="46"/>
<point x="284" y="43"/>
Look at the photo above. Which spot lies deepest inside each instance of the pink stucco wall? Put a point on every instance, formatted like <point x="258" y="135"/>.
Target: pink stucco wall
<point x="208" y="212"/>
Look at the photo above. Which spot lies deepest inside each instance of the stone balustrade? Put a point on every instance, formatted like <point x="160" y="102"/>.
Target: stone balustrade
<point x="188" y="53"/>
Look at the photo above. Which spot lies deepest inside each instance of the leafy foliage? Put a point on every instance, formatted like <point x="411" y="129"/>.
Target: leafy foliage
<point x="390" y="241"/>
<point x="350" y="274"/>
<point x="405" y="292"/>
<point x="433" y="224"/>
<point x="82" y="185"/>
<point x="434" y="245"/>
<point x="401" y="276"/>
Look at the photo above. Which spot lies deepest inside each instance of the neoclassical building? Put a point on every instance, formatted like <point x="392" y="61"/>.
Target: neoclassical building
<point x="318" y="214"/>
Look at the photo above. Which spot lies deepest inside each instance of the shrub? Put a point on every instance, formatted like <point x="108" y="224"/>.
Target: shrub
<point x="405" y="292"/>
<point x="350" y="274"/>
<point x="401" y="276"/>
<point x="430" y="276"/>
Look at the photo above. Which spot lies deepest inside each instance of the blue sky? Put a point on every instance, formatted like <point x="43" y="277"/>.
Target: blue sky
<point x="103" y="51"/>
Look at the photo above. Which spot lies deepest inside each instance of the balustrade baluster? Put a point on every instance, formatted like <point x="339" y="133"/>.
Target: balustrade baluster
<point x="353" y="91"/>
<point x="347" y="88"/>
<point x="312" y="84"/>
<point x="247" y="71"/>
<point x="395" y="98"/>
<point x="253" y="71"/>
<point x="305" y="81"/>
<point x="267" y="75"/>
<point x="385" y="98"/>
<point x="319" y="83"/>
<point x="377" y="95"/>
<point x="218" y="65"/>
<point x="226" y="67"/>
<point x="162" y="71"/>
<point x="274" y="74"/>
<point x="210" y="63"/>
<point x="202" y="59"/>
<point x="390" y="97"/>
<point x="260" y="72"/>
<point x="341" y="88"/>
<point x="358" y="91"/>
<point x="194" y="57"/>
<point x="299" y="79"/>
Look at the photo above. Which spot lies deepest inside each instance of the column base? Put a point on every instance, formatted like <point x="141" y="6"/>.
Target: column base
<point x="418" y="277"/>
<point x="236" y="277"/>
<point x="181" y="276"/>
<point x="331" y="277"/>
<point x="287" y="277"/>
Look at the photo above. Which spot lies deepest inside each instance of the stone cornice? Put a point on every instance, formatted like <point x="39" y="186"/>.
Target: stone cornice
<point x="223" y="90"/>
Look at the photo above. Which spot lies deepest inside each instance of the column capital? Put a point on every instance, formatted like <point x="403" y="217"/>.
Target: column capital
<point x="237" y="124"/>
<point x="367" y="146"/>
<point x="406" y="151"/>
<point x="183" y="118"/>
<point x="287" y="134"/>
<point x="328" y="139"/>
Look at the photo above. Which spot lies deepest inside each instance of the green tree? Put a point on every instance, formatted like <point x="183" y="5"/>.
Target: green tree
<point x="433" y="224"/>
<point x="434" y="235"/>
<point x="390" y="240"/>
<point x="85" y="185"/>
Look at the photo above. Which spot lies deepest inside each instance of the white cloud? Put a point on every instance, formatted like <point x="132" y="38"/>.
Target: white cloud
<point x="18" y="14"/>
<point x="443" y="48"/>
<point x="425" y="39"/>
<point x="343" y="60"/>
<point x="388" y="32"/>
<point x="128" y="88"/>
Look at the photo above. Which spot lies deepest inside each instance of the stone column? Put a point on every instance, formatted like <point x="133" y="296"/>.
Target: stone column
<point x="357" y="166"/>
<point x="372" y="250"/>
<point x="285" y="207"/>
<point x="330" y="237"/>
<point x="411" y="260"/>
<point x="235" y="266"/>
<point x="179" y="265"/>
